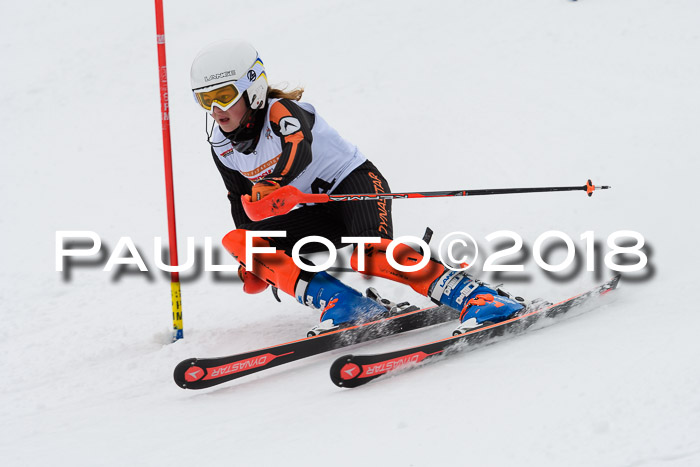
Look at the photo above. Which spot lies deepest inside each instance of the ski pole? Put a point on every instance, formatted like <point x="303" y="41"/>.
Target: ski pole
<point x="286" y="198"/>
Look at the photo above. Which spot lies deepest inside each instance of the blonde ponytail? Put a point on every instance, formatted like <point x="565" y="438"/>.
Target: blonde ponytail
<point x="294" y="94"/>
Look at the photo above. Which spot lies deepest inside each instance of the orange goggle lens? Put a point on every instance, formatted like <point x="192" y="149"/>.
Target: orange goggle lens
<point x="224" y="96"/>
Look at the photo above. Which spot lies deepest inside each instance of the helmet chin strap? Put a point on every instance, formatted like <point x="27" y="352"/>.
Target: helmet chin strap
<point x="244" y="138"/>
<point x="247" y="120"/>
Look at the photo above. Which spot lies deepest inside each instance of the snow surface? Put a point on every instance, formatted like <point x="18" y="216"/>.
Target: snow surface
<point x="440" y="95"/>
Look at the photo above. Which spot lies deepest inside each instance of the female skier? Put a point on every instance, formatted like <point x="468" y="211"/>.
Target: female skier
<point x="264" y="139"/>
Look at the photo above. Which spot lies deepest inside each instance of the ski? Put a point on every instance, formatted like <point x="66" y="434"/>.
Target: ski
<point x="199" y="373"/>
<point x="351" y="371"/>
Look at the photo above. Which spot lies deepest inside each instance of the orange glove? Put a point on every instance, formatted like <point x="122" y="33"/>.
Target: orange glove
<point x="263" y="188"/>
<point x="252" y="284"/>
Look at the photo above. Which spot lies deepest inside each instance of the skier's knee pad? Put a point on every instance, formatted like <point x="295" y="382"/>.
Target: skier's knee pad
<point x="277" y="269"/>
<point x="376" y="264"/>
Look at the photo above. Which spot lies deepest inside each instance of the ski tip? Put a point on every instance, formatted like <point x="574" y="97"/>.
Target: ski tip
<point x="610" y="285"/>
<point x="615" y="281"/>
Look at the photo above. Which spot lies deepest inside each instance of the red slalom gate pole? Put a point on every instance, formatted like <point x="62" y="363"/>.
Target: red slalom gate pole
<point x="169" y="188"/>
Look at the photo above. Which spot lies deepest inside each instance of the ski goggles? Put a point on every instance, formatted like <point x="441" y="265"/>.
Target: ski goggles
<point x="224" y="96"/>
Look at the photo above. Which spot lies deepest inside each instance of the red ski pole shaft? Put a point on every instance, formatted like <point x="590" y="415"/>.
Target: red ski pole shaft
<point x="169" y="187"/>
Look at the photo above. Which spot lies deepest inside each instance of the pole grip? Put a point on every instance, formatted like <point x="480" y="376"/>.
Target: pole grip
<point x="279" y="202"/>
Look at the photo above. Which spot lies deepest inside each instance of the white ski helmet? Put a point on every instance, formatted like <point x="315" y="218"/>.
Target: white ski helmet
<point x="225" y="71"/>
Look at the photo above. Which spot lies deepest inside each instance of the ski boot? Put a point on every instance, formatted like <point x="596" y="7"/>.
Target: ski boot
<point x="342" y="305"/>
<point x="480" y="304"/>
<point x="392" y="307"/>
